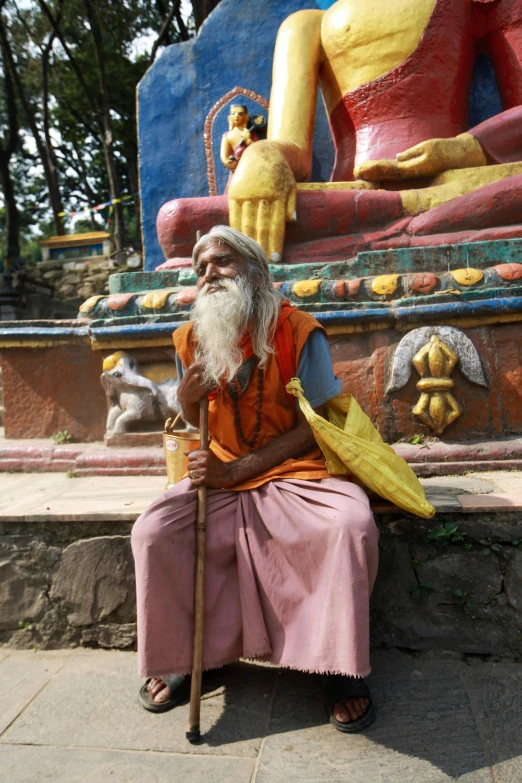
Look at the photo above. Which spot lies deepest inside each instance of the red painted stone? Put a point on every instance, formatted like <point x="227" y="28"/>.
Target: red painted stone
<point x="175" y="263"/>
<point x="51" y="389"/>
<point x="352" y="286"/>
<point x="509" y="271"/>
<point x="339" y="289"/>
<point x="423" y="282"/>
<point x="186" y="296"/>
<point x="119" y="301"/>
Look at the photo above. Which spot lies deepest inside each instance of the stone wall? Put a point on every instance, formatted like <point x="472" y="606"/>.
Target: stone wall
<point x="67" y="584"/>
<point x="72" y="584"/>
<point x="74" y="279"/>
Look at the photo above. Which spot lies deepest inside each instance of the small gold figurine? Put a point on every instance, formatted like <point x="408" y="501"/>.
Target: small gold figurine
<point x="436" y="406"/>
<point x="242" y="132"/>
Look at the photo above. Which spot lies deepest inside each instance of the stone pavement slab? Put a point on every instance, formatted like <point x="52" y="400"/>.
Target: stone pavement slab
<point x="21" y="492"/>
<point x="503" y="480"/>
<point x="100" y="497"/>
<point x="52" y="497"/>
<point x="92" y="702"/>
<point x="43" y="497"/>
<point x="437" y="721"/>
<point x="478" y="483"/>
<point x="22" y="677"/>
<point x="495" y="693"/>
<point x="510" y="500"/>
<point x="423" y="732"/>
<point x="73" y="765"/>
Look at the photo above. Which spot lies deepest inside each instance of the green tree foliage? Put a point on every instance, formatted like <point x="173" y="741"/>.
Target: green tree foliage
<point x="69" y="71"/>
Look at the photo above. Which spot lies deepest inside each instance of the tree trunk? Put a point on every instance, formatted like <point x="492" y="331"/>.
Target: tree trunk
<point x="12" y="217"/>
<point x="131" y="156"/>
<point x="202" y="8"/>
<point x="79" y="167"/>
<point x="7" y="150"/>
<point x="53" y="186"/>
<point x="120" y="233"/>
<point x="45" y="153"/>
<point x="51" y="166"/>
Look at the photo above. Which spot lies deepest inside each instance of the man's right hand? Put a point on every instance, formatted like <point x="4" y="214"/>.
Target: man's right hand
<point x="191" y="389"/>
<point x="262" y="197"/>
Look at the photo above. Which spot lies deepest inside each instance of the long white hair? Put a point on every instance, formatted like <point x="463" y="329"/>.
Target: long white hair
<point x="252" y="301"/>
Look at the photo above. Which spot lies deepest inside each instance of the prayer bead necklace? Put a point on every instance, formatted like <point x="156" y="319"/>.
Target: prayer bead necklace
<point x="235" y="396"/>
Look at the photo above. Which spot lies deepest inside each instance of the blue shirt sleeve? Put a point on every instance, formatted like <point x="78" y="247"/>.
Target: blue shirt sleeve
<point x="315" y="370"/>
<point x="180" y="369"/>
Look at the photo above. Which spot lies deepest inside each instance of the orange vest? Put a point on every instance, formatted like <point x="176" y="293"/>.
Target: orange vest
<point x="278" y="411"/>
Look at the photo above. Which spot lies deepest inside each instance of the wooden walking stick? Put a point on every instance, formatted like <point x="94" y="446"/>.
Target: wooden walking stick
<point x="193" y="731"/>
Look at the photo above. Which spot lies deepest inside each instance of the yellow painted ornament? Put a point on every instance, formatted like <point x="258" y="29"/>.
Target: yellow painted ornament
<point x="304" y="288"/>
<point x="90" y="303"/>
<point x="467" y="276"/>
<point x="385" y="284"/>
<point x="155" y="300"/>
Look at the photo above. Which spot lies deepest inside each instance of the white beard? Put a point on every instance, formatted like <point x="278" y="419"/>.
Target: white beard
<point x="220" y="319"/>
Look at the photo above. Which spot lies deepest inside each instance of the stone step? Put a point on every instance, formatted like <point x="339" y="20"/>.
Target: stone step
<point x="453" y="582"/>
<point x="142" y="454"/>
<point x="84" y="459"/>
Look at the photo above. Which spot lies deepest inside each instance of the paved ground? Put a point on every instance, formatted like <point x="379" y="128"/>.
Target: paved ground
<point x="72" y="716"/>
<point x="41" y="497"/>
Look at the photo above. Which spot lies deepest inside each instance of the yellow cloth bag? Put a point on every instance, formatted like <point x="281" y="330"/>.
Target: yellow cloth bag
<point x="351" y="444"/>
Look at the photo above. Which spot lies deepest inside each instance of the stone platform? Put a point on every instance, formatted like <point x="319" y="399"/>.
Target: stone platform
<point x="429" y="457"/>
<point x="73" y="717"/>
<point x="451" y="583"/>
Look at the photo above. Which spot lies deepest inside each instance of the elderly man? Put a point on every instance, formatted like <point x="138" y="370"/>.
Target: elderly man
<point x="291" y="551"/>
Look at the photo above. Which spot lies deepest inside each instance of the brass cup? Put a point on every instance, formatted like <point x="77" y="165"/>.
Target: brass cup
<point x="176" y="442"/>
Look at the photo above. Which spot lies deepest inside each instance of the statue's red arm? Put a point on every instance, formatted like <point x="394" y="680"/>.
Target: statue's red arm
<point x="501" y="41"/>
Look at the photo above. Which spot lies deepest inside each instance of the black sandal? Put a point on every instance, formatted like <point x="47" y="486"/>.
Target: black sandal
<point x="179" y="687"/>
<point x="338" y="687"/>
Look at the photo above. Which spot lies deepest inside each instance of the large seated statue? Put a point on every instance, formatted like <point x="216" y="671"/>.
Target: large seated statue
<point x="395" y="79"/>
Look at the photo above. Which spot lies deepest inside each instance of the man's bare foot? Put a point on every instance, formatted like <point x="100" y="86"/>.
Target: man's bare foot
<point x="158" y="690"/>
<point x="162" y="694"/>
<point x="350" y="709"/>
<point x="344" y="711"/>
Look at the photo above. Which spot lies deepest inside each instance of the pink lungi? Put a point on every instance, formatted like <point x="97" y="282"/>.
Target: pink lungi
<point x="289" y="571"/>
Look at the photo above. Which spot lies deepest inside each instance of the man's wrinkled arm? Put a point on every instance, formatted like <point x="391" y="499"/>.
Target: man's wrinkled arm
<point x="291" y="445"/>
<point x="220" y="475"/>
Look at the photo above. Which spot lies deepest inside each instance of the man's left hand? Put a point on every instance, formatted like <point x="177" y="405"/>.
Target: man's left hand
<point x="206" y="470"/>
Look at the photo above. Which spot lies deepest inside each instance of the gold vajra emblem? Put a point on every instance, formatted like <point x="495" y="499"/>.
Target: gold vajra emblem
<point x="436" y="406"/>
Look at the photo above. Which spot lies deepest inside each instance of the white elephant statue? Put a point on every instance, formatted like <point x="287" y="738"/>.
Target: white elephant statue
<point x="134" y="397"/>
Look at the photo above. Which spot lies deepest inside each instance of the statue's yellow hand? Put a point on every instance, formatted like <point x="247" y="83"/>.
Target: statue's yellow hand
<point x="262" y="197"/>
<point x="426" y="159"/>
